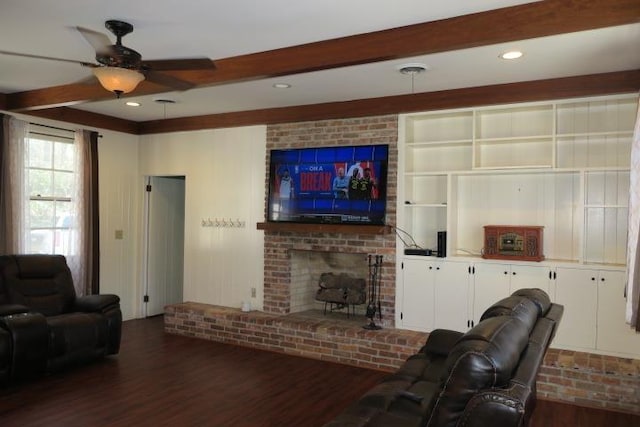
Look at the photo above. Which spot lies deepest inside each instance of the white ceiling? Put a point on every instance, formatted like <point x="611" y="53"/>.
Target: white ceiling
<point x="219" y="29"/>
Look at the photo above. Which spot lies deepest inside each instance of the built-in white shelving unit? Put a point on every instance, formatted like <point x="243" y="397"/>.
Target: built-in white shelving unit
<point x="561" y="164"/>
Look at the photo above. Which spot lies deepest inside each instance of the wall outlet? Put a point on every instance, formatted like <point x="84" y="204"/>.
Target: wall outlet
<point x="253" y="292"/>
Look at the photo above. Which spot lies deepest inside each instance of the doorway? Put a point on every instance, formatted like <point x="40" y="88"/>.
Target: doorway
<point x="163" y="268"/>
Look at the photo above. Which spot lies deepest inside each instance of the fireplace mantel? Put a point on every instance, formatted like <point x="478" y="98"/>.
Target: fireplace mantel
<point x="324" y="228"/>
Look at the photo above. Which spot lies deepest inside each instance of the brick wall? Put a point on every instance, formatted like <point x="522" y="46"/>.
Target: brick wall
<point x="382" y="350"/>
<point x="580" y="378"/>
<point x="277" y="245"/>
<point x="591" y="380"/>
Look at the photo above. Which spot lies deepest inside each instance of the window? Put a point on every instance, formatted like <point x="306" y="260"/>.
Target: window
<point x="50" y="177"/>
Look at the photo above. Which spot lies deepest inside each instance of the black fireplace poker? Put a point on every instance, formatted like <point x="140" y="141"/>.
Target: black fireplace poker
<point x="374" y="292"/>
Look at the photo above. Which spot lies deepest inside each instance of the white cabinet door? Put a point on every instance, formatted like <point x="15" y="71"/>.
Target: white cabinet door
<point x="614" y="335"/>
<point x="418" y="294"/>
<point x="530" y="276"/>
<point x="452" y="296"/>
<point x="490" y="284"/>
<point x="577" y="291"/>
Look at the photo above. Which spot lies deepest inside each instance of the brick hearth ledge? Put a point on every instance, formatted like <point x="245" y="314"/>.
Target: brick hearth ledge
<point x="575" y="377"/>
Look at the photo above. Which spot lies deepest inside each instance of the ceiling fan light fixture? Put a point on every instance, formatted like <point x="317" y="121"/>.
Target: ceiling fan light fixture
<point x="118" y="80"/>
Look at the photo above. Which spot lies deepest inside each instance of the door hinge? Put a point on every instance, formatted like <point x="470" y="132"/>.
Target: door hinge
<point x="146" y="298"/>
<point x="148" y="188"/>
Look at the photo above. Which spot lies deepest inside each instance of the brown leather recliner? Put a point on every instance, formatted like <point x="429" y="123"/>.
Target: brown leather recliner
<point x="44" y="327"/>
<point x="484" y="377"/>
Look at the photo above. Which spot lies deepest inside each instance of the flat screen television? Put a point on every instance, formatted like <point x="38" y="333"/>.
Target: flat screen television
<point x="329" y="185"/>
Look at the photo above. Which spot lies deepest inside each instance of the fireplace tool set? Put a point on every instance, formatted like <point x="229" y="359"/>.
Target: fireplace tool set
<point x="373" y="307"/>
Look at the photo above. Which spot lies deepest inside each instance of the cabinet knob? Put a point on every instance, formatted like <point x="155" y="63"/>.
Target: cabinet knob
<point x="506" y="272"/>
<point x="514" y="273"/>
<point x="430" y="268"/>
<point x="593" y="278"/>
<point x="602" y="279"/>
<point x="438" y="268"/>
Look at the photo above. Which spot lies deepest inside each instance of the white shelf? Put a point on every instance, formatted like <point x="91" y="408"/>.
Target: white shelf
<point x="607" y="206"/>
<point x="514" y="140"/>
<point x="592" y="134"/>
<point x="561" y="164"/>
<point x="521" y="168"/>
<point x="425" y="205"/>
<point x="435" y="144"/>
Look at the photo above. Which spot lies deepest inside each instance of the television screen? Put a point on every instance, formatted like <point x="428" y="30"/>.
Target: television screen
<point x="336" y="185"/>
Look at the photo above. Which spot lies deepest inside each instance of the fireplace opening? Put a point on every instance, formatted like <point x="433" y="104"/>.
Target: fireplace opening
<point x="341" y="291"/>
<point x="310" y="269"/>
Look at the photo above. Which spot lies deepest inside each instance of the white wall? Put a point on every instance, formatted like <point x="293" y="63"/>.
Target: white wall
<point x="225" y="174"/>
<point x="120" y="191"/>
<point x="225" y="179"/>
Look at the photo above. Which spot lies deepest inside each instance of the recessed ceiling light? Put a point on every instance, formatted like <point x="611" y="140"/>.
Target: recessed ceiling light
<point x="133" y="104"/>
<point x="512" y="54"/>
<point x="281" y="85"/>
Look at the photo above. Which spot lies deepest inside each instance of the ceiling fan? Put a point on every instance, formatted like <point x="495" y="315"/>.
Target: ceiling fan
<point x="120" y="69"/>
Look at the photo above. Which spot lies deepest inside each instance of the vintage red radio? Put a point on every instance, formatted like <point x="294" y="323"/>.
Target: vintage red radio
<point x="513" y="242"/>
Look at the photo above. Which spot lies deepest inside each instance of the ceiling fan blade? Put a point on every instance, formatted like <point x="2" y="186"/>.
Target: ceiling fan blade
<point x="99" y="41"/>
<point x="167" y="80"/>
<point x="48" y="58"/>
<point x="180" y="64"/>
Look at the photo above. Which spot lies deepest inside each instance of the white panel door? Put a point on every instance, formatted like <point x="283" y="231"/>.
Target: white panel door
<point x="490" y="284"/>
<point x="452" y="296"/>
<point x="165" y="247"/>
<point x="418" y="294"/>
<point x="613" y="334"/>
<point x="530" y="276"/>
<point x="577" y="291"/>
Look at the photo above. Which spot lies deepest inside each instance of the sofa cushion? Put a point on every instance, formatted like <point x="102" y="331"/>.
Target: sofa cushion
<point x="517" y="306"/>
<point x="77" y="336"/>
<point x="539" y="297"/>
<point x="41" y="282"/>
<point x="484" y="358"/>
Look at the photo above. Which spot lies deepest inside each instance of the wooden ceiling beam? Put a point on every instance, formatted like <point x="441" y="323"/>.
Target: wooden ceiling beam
<point x="538" y="90"/>
<point x="87" y="118"/>
<point x="521" y="22"/>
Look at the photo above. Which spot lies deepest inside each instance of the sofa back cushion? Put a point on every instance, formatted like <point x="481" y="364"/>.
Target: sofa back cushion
<point x="41" y="282"/>
<point x="517" y="306"/>
<point x="484" y="358"/>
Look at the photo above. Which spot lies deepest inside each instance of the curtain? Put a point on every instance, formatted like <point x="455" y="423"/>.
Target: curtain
<point x="13" y="203"/>
<point x="84" y="261"/>
<point x="633" y="239"/>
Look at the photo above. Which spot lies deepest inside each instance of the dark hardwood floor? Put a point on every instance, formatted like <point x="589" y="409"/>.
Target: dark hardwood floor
<point x="166" y="380"/>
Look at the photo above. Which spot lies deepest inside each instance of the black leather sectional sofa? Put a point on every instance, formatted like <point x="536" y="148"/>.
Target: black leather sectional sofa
<point x="44" y="327"/>
<point x="484" y="377"/>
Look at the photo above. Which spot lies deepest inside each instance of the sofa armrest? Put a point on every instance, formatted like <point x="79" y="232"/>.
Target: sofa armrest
<point x="508" y="407"/>
<point x="440" y="342"/>
<point x="28" y="334"/>
<point x="9" y="309"/>
<point x="96" y="303"/>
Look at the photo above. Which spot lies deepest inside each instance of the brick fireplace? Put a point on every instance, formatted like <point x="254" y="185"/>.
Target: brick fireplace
<point x="283" y="245"/>
<point x="308" y="266"/>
